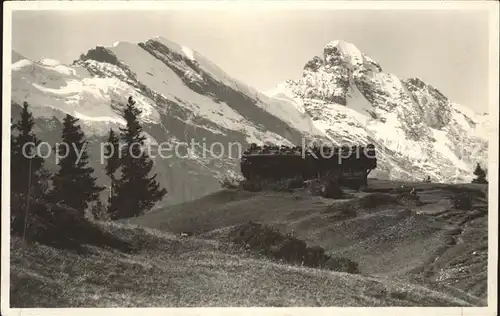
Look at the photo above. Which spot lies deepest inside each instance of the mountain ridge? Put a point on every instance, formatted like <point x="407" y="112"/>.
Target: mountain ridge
<point x="348" y="89"/>
<point x="182" y="102"/>
<point x="343" y="96"/>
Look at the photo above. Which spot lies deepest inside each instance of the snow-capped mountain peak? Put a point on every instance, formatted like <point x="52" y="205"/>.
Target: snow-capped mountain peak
<point x="418" y="130"/>
<point x="185" y="99"/>
<point x="343" y="96"/>
<point x="344" y="51"/>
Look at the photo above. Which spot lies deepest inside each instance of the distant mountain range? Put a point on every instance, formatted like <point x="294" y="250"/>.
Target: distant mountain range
<point x="343" y="97"/>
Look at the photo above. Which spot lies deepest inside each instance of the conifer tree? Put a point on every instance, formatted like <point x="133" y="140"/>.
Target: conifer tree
<point x="136" y="191"/>
<point x="27" y="172"/>
<point x="112" y="151"/>
<point x="480" y="174"/>
<point x="73" y="184"/>
<point x="29" y="179"/>
<point x="112" y="164"/>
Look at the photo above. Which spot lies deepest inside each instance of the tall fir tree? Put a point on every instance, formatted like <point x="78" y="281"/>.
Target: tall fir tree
<point x="74" y="184"/>
<point x="26" y="166"/>
<point x="480" y="174"/>
<point x="136" y="191"/>
<point x="112" y="164"/>
<point x="29" y="178"/>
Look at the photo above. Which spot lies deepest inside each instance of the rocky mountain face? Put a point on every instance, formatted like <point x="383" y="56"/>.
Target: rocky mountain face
<point x="205" y="118"/>
<point x="418" y="132"/>
<point x="201" y="118"/>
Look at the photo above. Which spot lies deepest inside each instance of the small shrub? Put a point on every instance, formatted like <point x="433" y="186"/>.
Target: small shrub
<point x="332" y="190"/>
<point x="315" y="187"/>
<point x="325" y="188"/>
<point x="315" y="257"/>
<point x="62" y="227"/>
<point x="288" y="249"/>
<point x="409" y="198"/>
<point x="480" y="174"/>
<point x="230" y="183"/>
<point x="26" y="219"/>
<point x="251" y="185"/>
<point x="480" y="181"/>
<point x="271" y="243"/>
<point x="99" y="211"/>
<point x="342" y="264"/>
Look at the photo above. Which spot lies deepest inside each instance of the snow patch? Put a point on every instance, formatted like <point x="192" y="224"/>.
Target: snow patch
<point x="65" y="70"/>
<point x="482" y="129"/>
<point x="84" y="117"/>
<point x="283" y="93"/>
<point x="349" y="51"/>
<point x="49" y="62"/>
<point x="274" y="92"/>
<point x="357" y="101"/>
<point x="18" y="65"/>
<point x="443" y="146"/>
<point x="188" y="52"/>
<point x="163" y="80"/>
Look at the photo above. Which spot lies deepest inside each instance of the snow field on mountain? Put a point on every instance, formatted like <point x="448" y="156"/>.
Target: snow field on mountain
<point x="157" y="76"/>
<point x="348" y="50"/>
<point x="21" y="64"/>
<point x="162" y="79"/>
<point x="277" y="108"/>
<point x="417" y="133"/>
<point x="54" y="90"/>
<point x="188" y="52"/>
<point x="357" y="101"/>
<point x="281" y="92"/>
<point x="417" y="130"/>
<point x="483" y="128"/>
<point x="87" y="98"/>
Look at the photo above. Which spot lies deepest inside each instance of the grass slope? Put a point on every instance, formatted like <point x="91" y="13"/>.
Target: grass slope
<point x="431" y="255"/>
<point x="170" y="271"/>
<point x="429" y="243"/>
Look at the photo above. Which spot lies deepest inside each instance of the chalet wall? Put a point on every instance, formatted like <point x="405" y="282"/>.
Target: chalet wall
<point x="345" y="164"/>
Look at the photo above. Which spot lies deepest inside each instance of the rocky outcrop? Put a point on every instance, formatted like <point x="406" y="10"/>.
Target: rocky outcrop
<point x="418" y="132"/>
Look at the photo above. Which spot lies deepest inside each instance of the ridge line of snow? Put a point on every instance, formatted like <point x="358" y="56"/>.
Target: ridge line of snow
<point x="188" y="52"/>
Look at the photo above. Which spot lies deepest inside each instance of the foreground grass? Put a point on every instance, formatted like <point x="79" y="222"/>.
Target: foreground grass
<point x="432" y="242"/>
<point x="169" y="271"/>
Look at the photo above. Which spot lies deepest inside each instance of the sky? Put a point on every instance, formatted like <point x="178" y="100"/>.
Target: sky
<point x="447" y="49"/>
